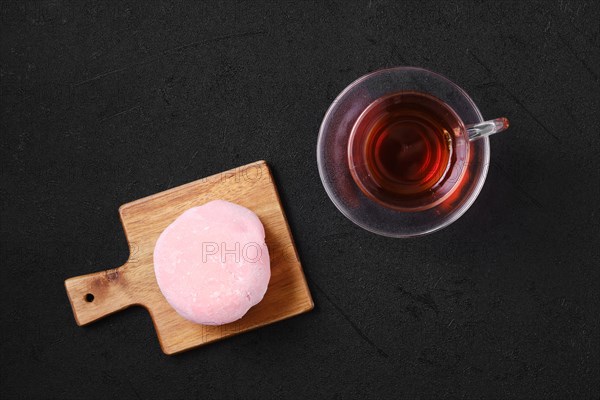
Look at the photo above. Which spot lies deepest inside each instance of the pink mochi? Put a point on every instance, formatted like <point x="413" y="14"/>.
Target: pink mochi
<point x="212" y="263"/>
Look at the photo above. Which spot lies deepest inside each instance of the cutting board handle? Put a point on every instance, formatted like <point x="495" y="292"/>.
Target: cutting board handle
<point x="97" y="295"/>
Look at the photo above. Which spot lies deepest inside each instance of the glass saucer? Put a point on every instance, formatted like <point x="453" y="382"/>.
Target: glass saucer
<point x="332" y="153"/>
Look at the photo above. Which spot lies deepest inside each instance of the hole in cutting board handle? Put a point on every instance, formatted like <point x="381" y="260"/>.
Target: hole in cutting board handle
<point x="89" y="297"/>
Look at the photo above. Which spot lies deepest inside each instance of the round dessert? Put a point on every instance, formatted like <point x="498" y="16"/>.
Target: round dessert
<point x="212" y="263"/>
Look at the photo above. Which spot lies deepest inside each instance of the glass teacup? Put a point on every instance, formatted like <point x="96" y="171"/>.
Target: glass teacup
<point x="404" y="151"/>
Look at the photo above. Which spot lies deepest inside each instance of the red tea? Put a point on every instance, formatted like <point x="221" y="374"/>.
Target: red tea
<point x="407" y="150"/>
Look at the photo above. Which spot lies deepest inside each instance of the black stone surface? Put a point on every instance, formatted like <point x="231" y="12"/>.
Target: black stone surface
<point x="104" y="103"/>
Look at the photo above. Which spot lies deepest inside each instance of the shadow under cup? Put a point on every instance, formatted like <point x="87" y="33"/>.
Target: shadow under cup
<point x="408" y="151"/>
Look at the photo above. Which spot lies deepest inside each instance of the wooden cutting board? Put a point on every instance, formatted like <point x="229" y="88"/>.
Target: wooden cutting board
<point x="97" y="295"/>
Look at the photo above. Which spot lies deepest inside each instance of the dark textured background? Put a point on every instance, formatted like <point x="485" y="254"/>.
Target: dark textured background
<point x="106" y="103"/>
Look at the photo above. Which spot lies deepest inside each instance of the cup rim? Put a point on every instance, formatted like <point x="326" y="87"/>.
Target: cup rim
<point x="365" y="189"/>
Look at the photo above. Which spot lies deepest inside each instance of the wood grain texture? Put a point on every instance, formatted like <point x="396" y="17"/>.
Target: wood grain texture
<point x="134" y="283"/>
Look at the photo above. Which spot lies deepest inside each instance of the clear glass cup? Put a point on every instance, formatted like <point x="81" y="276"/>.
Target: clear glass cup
<point x="349" y="181"/>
